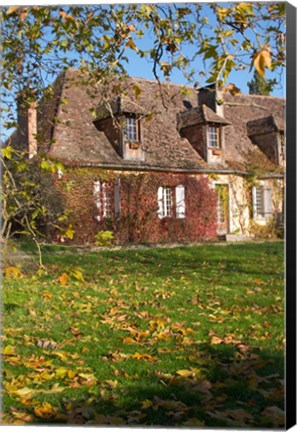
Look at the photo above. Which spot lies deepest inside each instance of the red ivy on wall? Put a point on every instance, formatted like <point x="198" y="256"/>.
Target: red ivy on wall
<point x="138" y="221"/>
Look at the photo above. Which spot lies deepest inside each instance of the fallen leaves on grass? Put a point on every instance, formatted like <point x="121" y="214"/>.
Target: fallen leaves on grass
<point x="209" y="372"/>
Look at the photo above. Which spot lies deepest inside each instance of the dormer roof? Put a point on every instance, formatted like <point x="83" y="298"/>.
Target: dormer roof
<point x="199" y="115"/>
<point x="119" y="105"/>
<point x="265" y="125"/>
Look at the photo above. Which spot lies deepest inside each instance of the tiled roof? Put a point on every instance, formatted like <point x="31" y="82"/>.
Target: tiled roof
<point x="78" y="141"/>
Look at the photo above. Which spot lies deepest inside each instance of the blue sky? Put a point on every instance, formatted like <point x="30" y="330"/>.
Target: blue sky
<point x="140" y="68"/>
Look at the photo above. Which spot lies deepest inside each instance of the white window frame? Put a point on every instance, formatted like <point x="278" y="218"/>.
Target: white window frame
<point x="166" y="201"/>
<point x="102" y="200"/>
<point x="132" y="129"/>
<point x="262" y="202"/>
<point x="214" y="136"/>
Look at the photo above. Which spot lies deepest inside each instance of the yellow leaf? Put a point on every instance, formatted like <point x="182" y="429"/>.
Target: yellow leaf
<point x="146" y="357"/>
<point x="23" y="15"/>
<point x="185" y="373"/>
<point x="69" y="233"/>
<point x="12" y="9"/>
<point x="12" y="272"/>
<point x="63" y="279"/>
<point x="137" y="90"/>
<point x="62" y="356"/>
<point x="146" y="404"/>
<point x="24" y="392"/>
<point x="128" y="340"/>
<point x="45" y="411"/>
<point x="131" y="44"/>
<point x="262" y="59"/>
<point x="61" y="372"/>
<point x="70" y="18"/>
<point x="77" y="274"/>
<point x="112" y="383"/>
<point x="267" y="58"/>
<point x="71" y="374"/>
<point x="216" y="340"/>
<point x="67" y="18"/>
<point x="245" y="8"/>
<point x="87" y="376"/>
<point x="9" y="350"/>
<point x="222" y="12"/>
<point x="7" y="152"/>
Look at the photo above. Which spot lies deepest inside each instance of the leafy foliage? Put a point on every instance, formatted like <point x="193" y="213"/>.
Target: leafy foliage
<point x="260" y="86"/>
<point x="39" y="41"/>
<point x="30" y="205"/>
<point x="166" y="337"/>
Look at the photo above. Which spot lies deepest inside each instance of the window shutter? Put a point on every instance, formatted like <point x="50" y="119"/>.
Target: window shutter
<point x="160" y="202"/>
<point x="180" y="201"/>
<point x="97" y="196"/>
<point x="267" y="201"/>
<point x="103" y="187"/>
<point x="254" y="199"/>
<point x="117" y="206"/>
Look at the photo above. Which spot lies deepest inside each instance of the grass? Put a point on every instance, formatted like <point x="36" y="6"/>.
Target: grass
<point x="190" y="336"/>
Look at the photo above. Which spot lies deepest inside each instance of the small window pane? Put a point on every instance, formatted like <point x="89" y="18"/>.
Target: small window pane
<point x="213" y="136"/>
<point x="131" y="129"/>
<point x="259" y="201"/>
<point x="167" y="201"/>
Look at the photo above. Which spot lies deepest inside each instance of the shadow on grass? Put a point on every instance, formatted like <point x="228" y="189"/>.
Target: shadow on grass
<point x="238" y="389"/>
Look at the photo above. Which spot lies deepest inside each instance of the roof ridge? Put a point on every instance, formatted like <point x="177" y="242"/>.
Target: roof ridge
<point x="162" y="82"/>
<point x="260" y="96"/>
<point x="192" y="87"/>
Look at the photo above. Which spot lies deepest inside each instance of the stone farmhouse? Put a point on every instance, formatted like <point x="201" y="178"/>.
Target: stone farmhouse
<point x="160" y="163"/>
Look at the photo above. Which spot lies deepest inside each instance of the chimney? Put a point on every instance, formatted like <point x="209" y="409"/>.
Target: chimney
<point x="212" y="96"/>
<point x="27" y="124"/>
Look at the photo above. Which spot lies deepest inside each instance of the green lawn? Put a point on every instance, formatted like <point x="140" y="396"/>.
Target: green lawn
<point x="190" y="336"/>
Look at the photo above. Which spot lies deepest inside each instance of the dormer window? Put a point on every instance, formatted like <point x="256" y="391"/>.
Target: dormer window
<point x="214" y="136"/>
<point x="132" y="129"/>
<point x="132" y="138"/>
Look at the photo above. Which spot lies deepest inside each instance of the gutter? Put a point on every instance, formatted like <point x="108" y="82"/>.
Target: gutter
<point x="174" y="170"/>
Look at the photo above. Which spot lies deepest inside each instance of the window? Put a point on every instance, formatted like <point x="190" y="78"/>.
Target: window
<point x="180" y="201"/>
<point x="166" y="201"/>
<point x="103" y="200"/>
<point x="132" y="129"/>
<point x="262" y="202"/>
<point x="214" y="136"/>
